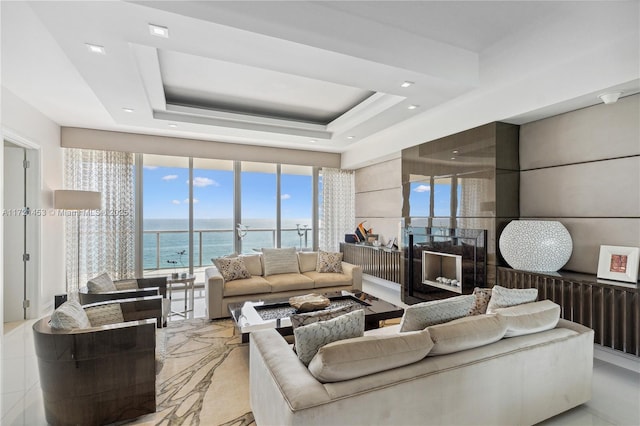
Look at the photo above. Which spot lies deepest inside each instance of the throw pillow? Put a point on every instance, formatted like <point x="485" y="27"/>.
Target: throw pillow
<point x="329" y="262"/>
<point x="101" y="283"/>
<point x="481" y="301"/>
<point x="421" y="315"/>
<point x="361" y="356"/>
<point x="68" y="316"/>
<point x="530" y="318"/>
<point x="126" y="284"/>
<point x="308" y="261"/>
<point x="310" y="338"/>
<point x="110" y="313"/>
<point x="502" y="297"/>
<point x="280" y="261"/>
<point x="466" y="333"/>
<point x="253" y="262"/>
<point x="232" y="268"/>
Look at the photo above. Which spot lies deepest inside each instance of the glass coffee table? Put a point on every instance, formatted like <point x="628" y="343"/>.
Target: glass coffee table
<point x="259" y="315"/>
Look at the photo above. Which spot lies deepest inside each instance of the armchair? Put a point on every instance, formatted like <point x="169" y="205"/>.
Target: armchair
<point x="145" y="287"/>
<point x="99" y="374"/>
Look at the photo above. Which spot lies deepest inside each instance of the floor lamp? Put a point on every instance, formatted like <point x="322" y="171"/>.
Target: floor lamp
<point x="71" y="199"/>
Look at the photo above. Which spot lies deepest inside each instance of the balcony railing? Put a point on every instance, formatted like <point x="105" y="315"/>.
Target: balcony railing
<point x="161" y="248"/>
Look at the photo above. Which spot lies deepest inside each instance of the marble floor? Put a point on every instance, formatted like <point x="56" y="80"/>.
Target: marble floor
<point x="615" y="401"/>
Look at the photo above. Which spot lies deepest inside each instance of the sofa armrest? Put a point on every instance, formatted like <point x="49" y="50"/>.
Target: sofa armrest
<point x="273" y="362"/>
<point x="355" y="272"/>
<point x="88" y="298"/>
<point x="213" y="293"/>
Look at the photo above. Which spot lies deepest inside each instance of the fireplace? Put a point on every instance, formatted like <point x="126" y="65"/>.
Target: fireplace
<point x="442" y="270"/>
<point x="442" y="262"/>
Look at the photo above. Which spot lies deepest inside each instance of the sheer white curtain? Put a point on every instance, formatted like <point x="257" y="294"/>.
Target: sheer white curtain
<point x="107" y="236"/>
<point x="338" y="207"/>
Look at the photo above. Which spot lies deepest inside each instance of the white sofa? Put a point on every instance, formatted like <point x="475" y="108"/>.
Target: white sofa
<point x="514" y="381"/>
<point x="303" y="280"/>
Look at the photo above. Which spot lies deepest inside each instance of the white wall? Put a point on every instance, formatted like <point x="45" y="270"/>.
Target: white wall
<point x="22" y="122"/>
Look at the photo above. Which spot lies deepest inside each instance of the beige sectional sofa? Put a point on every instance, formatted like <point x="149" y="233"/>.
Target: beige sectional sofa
<point x="270" y="280"/>
<point x="519" y="380"/>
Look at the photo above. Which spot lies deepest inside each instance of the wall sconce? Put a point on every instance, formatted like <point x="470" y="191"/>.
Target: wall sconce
<point x="610" y="98"/>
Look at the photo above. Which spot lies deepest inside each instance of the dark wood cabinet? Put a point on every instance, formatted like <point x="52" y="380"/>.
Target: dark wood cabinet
<point x="610" y="308"/>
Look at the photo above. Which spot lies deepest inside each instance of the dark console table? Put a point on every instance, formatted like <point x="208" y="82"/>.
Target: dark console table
<point x="610" y="308"/>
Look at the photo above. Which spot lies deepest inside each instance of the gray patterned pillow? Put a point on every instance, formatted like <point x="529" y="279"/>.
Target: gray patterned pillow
<point x="104" y="314"/>
<point x="482" y="296"/>
<point x="232" y="268"/>
<point x="502" y="297"/>
<point x="310" y="338"/>
<point x="68" y="316"/>
<point x="329" y="262"/>
<point x="126" y="284"/>
<point x="422" y="315"/>
<point x="280" y="261"/>
<point x="101" y="283"/>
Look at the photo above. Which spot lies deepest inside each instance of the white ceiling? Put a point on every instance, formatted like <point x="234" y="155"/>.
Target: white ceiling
<point x="317" y="75"/>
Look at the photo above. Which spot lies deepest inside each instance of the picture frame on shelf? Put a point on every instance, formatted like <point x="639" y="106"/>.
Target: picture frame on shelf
<point x="619" y="263"/>
<point x="392" y="243"/>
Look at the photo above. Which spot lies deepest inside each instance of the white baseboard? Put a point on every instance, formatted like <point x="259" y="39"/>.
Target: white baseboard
<point x="618" y="358"/>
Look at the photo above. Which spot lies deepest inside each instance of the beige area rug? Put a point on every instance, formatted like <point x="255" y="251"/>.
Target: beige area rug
<point x="205" y="378"/>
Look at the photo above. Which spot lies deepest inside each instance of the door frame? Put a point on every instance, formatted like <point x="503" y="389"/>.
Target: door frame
<point x="34" y="242"/>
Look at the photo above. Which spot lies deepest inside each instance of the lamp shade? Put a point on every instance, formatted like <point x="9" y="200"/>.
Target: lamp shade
<point x="69" y="199"/>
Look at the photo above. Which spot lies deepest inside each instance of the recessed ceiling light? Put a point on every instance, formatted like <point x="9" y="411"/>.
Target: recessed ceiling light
<point x="455" y="151"/>
<point x="407" y="84"/>
<point x="159" y="31"/>
<point x="453" y="158"/>
<point x="350" y="137"/>
<point x="610" y="98"/>
<point x="312" y="141"/>
<point x="173" y="125"/>
<point x="94" y="48"/>
<point x="413" y="106"/>
<point x="128" y="109"/>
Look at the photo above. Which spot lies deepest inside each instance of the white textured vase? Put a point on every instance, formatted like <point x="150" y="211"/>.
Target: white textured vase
<point x="536" y="245"/>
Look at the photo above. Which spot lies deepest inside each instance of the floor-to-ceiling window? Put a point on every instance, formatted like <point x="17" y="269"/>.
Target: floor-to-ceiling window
<point x="213" y="198"/>
<point x="165" y="206"/>
<point x="296" y="206"/>
<point x="259" y="206"/>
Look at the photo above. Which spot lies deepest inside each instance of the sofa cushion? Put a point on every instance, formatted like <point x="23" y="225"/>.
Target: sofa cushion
<point x="421" y="315"/>
<point x="101" y="283"/>
<point x="251" y="285"/>
<point x="328" y="279"/>
<point x="530" y="318"/>
<point x="502" y="297"/>
<point x="329" y="262"/>
<point x="280" y="261"/>
<point x="286" y="282"/>
<point x="361" y="356"/>
<point x="232" y="268"/>
<point x="126" y="284"/>
<point x="481" y="301"/>
<point x="310" y="338"/>
<point x="253" y="262"/>
<point x="466" y="333"/>
<point x="104" y="314"/>
<point x="68" y="316"/>
<point x="307" y="261"/>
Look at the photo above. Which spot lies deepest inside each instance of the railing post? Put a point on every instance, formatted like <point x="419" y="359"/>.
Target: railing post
<point x="200" y="247"/>
<point x="157" y="250"/>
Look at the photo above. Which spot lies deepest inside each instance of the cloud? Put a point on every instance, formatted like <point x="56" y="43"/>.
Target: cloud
<point x="169" y="177"/>
<point x="422" y="188"/>
<point x="175" y="201"/>
<point x="204" y="181"/>
<point x="150" y="167"/>
<point x="195" y="201"/>
<point x="285" y="196"/>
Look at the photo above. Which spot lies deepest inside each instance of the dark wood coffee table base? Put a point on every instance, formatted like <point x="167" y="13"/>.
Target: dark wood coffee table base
<point x="375" y="310"/>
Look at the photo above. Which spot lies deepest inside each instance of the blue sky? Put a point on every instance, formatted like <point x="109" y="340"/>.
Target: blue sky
<point x="166" y="193"/>
<point x="419" y="199"/>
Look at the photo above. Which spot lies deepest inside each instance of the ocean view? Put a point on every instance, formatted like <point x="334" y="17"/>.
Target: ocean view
<point x="217" y="235"/>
